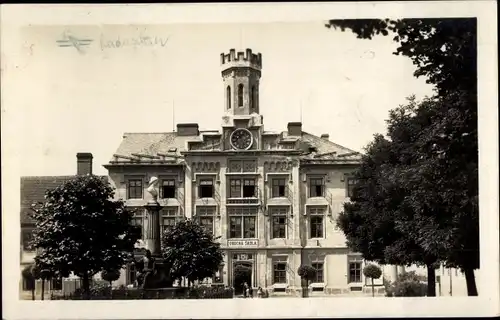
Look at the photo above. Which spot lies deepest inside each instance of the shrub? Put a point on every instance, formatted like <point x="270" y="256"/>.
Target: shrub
<point x="409" y="284"/>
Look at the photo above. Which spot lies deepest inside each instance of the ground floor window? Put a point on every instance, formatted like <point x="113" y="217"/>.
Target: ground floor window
<point x="318" y="277"/>
<point x="279" y="272"/>
<point x="355" y="264"/>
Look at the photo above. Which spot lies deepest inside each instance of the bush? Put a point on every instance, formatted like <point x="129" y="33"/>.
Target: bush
<point x="306" y="272"/>
<point x="409" y="284"/>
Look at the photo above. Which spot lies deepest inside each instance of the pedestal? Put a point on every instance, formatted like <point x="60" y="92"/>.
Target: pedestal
<point x="152" y="237"/>
<point x="160" y="278"/>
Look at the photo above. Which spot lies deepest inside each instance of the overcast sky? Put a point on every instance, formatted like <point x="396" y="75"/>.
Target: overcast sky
<point x="85" y="101"/>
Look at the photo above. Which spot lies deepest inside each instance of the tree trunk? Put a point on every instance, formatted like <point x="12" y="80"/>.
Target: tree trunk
<point x="33" y="293"/>
<point x="431" y="281"/>
<point x="43" y="288"/>
<point x="373" y="289"/>
<point x="471" y="282"/>
<point x="111" y="289"/>
<point x="86" y="285"/>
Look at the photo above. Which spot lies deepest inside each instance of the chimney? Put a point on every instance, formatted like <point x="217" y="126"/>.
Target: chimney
<point x="295" y="128"/>
<point x="187" y="129"/>
<point x="83" y="163"/>
<point x="325" y="136"/>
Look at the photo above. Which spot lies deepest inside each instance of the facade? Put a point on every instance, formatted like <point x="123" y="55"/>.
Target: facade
<point x="272" y="197"/>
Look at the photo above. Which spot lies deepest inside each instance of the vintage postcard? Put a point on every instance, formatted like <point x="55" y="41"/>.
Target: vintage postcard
<point x="250" y="160"/>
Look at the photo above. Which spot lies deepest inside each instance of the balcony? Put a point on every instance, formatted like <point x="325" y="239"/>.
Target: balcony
<point x="238" y="201"/>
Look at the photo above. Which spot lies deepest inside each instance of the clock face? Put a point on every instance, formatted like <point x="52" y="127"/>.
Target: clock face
<point x="241" y="139"/>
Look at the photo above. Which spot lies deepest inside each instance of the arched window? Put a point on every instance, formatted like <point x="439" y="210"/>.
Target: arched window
<point x="240" y="95"/>
<point x="252" y="105"/>
<point x="228" y="97"/>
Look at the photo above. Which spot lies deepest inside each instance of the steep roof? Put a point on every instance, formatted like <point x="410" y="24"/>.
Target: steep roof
<point x="33" y="190"/>
<point x="153" y="143"/>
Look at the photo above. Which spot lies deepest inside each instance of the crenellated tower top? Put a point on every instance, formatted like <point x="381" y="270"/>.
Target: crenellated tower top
<point x="241" y="59"/>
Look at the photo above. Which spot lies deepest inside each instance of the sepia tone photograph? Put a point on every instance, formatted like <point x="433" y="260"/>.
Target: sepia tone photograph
<point x="319" y="160"/>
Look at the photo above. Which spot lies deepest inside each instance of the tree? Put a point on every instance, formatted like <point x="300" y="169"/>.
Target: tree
<point x="374" y="272"/>
<point x="191" y="251"/>
<point x="28" y="275"/>
<point x="371" y="220"/>
<point x="80" y="229"/>
<point x="110" y="276"/>
<point x="444" y="158"/>
<point x="306" y="273"/>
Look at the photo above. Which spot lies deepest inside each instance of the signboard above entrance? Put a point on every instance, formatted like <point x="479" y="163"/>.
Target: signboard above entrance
<point x="243" y="243"/>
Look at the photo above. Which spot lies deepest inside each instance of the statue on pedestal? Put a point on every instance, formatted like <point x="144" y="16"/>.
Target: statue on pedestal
<point x="152" y="271"/>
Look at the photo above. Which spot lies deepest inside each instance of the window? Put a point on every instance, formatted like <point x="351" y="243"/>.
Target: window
<point x="279" y="272"/>
<point x="242" y="222"/>
<point x="137" y="220"/>
<point x="27" y="237"/>
<point x="235" y="188"/>
<point x="248" y="188"/>
<point x="351" y="183"/>
<point x="217" y="278"/>
<point x="278" y="222"/>
<point x="318" y="277"/>
<point x="316" y="187"/>
<point x="242" y="188"/>
<point x="253" y="98"/>
<point x="279" y="187"/>
<point x="205" y="217"/>
<point x="135" y="189"/>
<point x="206" y="188"/>
<point x="167" y="190"/>
<point x="316" y="222"/>
<point x="240" y="95"/>
<point x="56" y="284"/>
<point x="169" y="217"/>
<point x="355" y="270"/>
<point x="228" y="97"/>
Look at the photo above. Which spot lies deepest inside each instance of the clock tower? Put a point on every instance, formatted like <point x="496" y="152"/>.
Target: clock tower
<point x="242" y="124"/>
<point x="241" y="76"/>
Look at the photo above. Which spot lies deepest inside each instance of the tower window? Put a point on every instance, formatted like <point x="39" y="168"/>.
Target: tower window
<point x="240" y="95"/>
<point x="253" y="98"/>
<point x="228" y="97"/>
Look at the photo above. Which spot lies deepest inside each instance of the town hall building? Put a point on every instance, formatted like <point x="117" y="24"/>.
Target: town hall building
<point x="271" y="197"/>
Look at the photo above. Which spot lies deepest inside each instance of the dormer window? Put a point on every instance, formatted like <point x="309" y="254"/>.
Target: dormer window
<point x="240" y="95"/>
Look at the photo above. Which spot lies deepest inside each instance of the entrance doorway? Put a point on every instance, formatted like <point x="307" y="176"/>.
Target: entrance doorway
<point x="242" y="272"/>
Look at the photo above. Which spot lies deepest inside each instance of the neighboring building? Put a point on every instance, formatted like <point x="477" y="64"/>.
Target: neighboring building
<point x="33" y="191"/>
<point x="272" y="197"/>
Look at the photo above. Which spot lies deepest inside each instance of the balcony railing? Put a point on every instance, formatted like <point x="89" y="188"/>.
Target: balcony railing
<point x="251" y="200"/>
